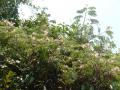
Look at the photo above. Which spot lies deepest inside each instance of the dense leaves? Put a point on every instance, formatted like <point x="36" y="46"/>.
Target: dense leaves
<point x="9" y="10"/>
<point x="41" y="54"/>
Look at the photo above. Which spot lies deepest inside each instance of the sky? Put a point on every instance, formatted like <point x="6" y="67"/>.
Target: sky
<point x="64" y="10"/>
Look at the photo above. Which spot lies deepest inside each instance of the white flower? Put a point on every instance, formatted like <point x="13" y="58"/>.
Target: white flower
<point x="111" y="86"/>
<point x="17" y="61"/>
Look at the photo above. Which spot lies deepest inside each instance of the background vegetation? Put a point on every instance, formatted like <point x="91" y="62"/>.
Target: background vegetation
<point x="40" y="54"/>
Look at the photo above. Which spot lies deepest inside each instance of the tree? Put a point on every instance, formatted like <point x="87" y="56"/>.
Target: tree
<point x="9" y="10"/>
<point x="83" y="31"/>
<point x="43" y="54"/>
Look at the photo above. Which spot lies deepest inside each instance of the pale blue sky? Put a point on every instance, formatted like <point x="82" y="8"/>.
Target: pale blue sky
<point x="64" y="10"/>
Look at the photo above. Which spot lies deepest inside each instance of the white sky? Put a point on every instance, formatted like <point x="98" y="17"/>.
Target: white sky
<point x="64" y="11"/>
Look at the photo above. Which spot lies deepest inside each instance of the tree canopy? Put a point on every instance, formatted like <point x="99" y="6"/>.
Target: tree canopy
<point x="41" y="54"/>
<point x="9" y="9"/>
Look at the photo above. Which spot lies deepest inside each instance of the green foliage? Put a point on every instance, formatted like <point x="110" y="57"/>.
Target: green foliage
<point x="9" y="10"/>
<point x="41" y="54"/>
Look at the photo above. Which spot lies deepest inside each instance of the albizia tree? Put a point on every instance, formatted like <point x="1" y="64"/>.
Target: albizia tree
<point x="41" y="54"/>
